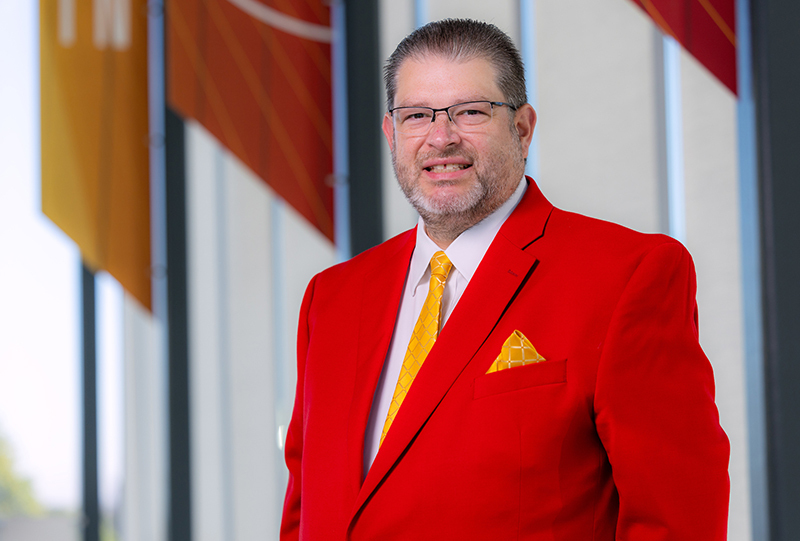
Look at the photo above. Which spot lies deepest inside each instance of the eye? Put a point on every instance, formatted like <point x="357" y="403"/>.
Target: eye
<point x="472" y="115"/>
<point x="472" y="112"/>
<point x="413" y="115"/>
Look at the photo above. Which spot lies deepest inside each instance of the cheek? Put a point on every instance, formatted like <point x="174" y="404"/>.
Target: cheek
<point x="505" y="150"/>
<point x="407" y="151"/>
<point x="484" y="153"/>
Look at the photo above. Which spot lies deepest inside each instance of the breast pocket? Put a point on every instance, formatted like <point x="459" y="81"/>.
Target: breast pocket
<point x="522" y="377"/>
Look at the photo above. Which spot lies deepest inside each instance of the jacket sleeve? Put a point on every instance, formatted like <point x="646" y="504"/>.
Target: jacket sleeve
<point x="290" y="522"/>
<point x="655" y="411"/>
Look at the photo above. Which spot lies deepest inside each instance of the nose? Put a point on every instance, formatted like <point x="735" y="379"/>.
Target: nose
<point x="443" y="132"/>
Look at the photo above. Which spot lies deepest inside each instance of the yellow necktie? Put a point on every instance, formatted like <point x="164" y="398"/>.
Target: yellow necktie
<point x="425" y="332"/>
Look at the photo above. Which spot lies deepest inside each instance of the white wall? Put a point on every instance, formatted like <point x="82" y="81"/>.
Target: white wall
<point x="145" y="488"/>
<point x="250" y="257"/>
<point x="599" y="111"/>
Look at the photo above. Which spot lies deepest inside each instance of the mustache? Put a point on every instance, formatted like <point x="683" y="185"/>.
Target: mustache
<point x="448" y="153"/>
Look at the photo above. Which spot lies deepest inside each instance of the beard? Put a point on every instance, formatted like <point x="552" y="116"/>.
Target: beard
<point x="492" y="184"/>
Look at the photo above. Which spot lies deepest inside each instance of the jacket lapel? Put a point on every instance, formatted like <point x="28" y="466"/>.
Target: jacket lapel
<point x="501" y="273"/>
<point x="380" y="299"/>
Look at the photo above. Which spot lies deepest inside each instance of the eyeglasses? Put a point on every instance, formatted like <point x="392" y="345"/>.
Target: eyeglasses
<point x="469" y="116"/>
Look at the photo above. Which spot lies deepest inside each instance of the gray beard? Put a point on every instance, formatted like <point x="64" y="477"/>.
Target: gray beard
<point x="446" y="218"/>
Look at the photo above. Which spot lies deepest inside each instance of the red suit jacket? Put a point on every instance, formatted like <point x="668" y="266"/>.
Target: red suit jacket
<point x="615" y="436"/>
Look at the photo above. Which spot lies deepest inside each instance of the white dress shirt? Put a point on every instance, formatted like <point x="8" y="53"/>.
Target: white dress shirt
<point x="466" y="253"/>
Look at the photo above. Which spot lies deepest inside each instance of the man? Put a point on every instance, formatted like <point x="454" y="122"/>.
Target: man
<point x="505" y="370"/>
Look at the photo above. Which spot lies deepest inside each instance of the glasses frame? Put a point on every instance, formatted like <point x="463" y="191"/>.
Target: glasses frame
<point x="446" y="110"/>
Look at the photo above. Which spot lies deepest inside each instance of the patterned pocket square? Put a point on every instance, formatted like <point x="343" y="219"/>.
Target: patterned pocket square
<point x="517" y="351"/>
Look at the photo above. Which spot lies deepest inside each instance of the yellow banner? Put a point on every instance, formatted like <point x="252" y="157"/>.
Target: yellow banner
<point x="95" y="157"/>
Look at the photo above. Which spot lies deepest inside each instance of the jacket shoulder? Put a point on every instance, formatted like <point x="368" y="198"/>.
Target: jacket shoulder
<point x="369" y="260"/>
<point x="585" y="233"/>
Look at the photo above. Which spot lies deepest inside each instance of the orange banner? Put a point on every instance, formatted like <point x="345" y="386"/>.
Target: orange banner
<point x="95" y="157"/>
<point x="257" y="75"/>
<point x="705" y="28"/>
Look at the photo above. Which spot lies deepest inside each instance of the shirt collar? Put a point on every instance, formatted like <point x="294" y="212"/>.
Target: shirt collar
<point x="467" y="251"/>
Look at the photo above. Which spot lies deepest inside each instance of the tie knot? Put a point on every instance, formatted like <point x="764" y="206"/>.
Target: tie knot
<point x="440" y="265"/>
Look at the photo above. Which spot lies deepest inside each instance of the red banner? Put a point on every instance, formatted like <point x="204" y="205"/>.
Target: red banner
<point x="258" y="77"/>
<point x="706" y="28"/>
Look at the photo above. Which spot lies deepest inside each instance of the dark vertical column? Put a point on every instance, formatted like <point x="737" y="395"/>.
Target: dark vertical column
<point x="776" y="45"/>
<point x="91" y="502"/>
<point x="179" y="439"/>
<point x="365" y="110"/>
<point x="180" y="493"/>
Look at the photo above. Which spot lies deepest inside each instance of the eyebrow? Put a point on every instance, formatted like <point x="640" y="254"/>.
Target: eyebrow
<point x="460" y="100"/>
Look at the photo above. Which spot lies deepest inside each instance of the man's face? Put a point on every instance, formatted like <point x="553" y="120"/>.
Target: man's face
<point x="447" y="172"/>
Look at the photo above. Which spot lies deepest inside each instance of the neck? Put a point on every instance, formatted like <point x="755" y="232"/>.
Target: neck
<point x="444" y="232"/>
<point x="443" y="229"/>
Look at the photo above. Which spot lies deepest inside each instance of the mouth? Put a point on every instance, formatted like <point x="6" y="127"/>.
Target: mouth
<point x="447" y="167"/>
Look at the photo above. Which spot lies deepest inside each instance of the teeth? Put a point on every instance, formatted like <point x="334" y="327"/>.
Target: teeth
<point x="447" y="168"/>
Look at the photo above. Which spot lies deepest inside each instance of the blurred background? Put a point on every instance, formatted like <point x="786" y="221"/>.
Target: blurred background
<point x="173" y="173"/>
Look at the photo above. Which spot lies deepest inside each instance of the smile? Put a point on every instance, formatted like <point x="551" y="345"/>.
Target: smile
<point x="447" y="168"/>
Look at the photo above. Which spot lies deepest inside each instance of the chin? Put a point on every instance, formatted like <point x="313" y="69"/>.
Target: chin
<point x="447" y="202"/>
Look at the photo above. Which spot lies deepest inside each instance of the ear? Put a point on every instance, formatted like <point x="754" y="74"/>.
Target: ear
<point x="524" y="122"/>
<point x="388" y="130"/>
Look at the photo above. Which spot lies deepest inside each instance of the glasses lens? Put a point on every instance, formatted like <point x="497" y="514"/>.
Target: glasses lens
<point x="472" y="115"/>
<point x="466" y="116"/>
<point x="412" y="119"/>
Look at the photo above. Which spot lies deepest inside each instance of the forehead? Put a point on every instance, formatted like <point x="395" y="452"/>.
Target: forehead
<point x="435" y="81"/>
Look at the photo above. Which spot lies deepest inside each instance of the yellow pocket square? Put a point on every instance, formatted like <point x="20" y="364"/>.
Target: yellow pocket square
<point x="517" y="351"/>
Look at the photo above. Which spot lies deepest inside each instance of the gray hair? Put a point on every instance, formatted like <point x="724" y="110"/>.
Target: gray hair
<point x="462" y="40"/>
